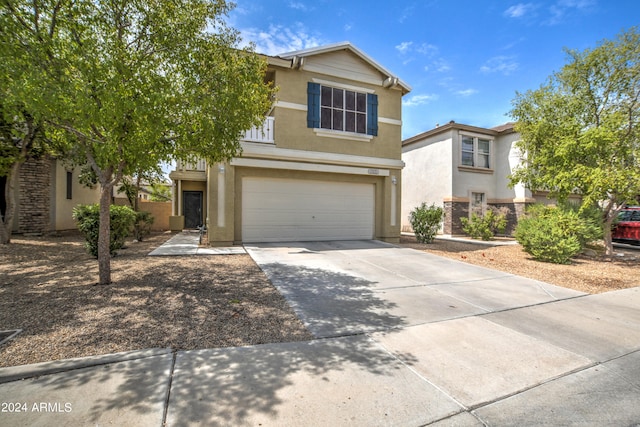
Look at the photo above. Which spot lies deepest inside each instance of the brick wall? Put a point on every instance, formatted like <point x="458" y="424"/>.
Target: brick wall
<point x="34" y="201"/>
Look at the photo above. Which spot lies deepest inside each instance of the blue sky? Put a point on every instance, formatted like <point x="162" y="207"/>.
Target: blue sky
<point x="464" y="60"/>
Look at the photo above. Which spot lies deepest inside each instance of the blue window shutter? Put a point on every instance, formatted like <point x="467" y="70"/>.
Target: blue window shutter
<point x="372" y="114"/>
<point x="313" y="105"/>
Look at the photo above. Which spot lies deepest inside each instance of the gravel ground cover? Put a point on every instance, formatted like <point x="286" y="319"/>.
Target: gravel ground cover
<point x="48" y="289"/>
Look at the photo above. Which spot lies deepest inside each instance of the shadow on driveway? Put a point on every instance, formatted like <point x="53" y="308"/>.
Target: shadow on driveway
<point x="332" y="303"/>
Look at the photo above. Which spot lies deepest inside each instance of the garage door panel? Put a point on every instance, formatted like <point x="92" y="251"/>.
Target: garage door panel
<point x="289" y="210"/>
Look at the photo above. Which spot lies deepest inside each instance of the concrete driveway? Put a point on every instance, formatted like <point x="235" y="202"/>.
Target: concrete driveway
<point x="349" y="287"/>
<point x="492" y="348"/>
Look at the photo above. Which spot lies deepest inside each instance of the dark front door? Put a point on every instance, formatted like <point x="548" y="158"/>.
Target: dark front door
<point x="192" y="208"/>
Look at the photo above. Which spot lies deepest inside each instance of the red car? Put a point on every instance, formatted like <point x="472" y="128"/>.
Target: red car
<point x="627" y="228"/>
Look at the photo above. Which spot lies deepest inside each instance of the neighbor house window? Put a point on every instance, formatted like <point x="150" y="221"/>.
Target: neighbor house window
<point x="340" y="109"/>
<point x="69" y="185"/>
<point x="476" y="152"/>
<point x="477" y="204"/>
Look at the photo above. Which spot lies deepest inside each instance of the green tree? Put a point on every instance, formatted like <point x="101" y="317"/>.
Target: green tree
<point x="160" y="192"/>
<point x="125" y="84"/>
<point x="580" y="129"/>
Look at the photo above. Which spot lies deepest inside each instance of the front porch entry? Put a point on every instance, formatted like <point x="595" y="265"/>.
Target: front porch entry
<point x="192" y="205"/>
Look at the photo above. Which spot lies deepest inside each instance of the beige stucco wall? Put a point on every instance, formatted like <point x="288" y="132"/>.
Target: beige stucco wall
<point x="230" y="229"/>
<point x="291" y="124"/>
<point x="427" y="175"/>
<point x="62" y="208"/>
<point x="224" y="204"/>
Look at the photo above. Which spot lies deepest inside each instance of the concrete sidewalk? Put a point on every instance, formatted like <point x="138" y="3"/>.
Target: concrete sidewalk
<point x="537" y="355"/>
<point x="186" y="243"/>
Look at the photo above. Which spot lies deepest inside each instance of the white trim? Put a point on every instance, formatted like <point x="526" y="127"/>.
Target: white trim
<point x="221" y="192"/>
<point x="180" y="198"/>
<point x="390" y="121"/>
<point x="345" y="45"/>
<point x="308" y="167"/>
<point x="302" y="107"/>
<point x="342" y="86"/>
<point x="338" y="134"/>
<point x="394" y="204"/>
<point x="272" y="152"/>
<point x="291" y="105"/>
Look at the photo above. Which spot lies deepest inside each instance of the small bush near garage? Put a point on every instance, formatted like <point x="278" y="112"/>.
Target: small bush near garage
<point x="486" y="226"/>
<point x="425" y="221"/>
<point x="556" y="234"/>
<point x="88" y="219"/>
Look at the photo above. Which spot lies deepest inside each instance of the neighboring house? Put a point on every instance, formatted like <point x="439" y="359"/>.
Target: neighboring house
<point x="47" y="192"/>
<point x="325" y="165"/>
<point x="463" y="169"/>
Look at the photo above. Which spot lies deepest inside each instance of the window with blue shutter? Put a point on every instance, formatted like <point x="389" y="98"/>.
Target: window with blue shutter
<point x="313" y="105"/>
<point x="341" y="110"/>
<point x="372" y="114"/>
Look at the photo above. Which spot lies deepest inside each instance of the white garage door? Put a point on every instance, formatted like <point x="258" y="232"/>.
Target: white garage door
<point x="280" y="210"/>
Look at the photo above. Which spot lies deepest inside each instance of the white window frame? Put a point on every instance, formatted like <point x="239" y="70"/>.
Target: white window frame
<point x="473" y="205"/>
<point x="344" y="111"/>
<point x="475" y="152"/>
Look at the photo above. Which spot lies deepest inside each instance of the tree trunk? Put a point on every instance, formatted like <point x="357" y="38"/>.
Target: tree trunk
<point x="608" y="223"/>
<point x="6" y="224"/>
<point x="104" y="235"/>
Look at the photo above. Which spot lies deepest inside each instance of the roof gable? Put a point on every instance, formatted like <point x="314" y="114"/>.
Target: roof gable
<point x="345" y="60"/>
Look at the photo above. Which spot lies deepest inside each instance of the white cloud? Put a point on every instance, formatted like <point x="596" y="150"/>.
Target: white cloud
<point x="551" y="15"/>
<point x="279" y="39"/>
<point x="441" y="65"/>
<point x="404" y="47"/>
<point x="500" y="64"/>
<point x="416" y="100"/>
<point x="466" y="92"/>
<point x="519" y="10"/>
<point x="426" y="49"/>
<point x="298" y="6"/>
<point x="564" y="8"/>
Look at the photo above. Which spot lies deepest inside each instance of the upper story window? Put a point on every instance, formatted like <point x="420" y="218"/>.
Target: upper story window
<point x="342" y="109"/>
<point x="476" y="152"/>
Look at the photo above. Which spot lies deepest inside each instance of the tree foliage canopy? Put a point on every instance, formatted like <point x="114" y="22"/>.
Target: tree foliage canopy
<point x="580" y="130"/>
<point x="125" y="84"/>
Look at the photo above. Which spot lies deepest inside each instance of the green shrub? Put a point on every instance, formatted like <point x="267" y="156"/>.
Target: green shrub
<point x="485" y="227"/>
<point x="142" y="225"/>
<point x="425" y="221"/>
<point x="88" y="219"/>
<point x="556" y="234"/>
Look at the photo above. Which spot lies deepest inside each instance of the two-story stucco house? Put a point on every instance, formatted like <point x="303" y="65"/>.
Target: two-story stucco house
<point x="463" y="169"/>
<point x="325" y="165"/>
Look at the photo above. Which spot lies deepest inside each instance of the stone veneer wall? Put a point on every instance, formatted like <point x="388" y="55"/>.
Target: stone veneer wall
<point x="453" y="211"/>
<point x="34" y="199"/>
<point x="512" y="216"/>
